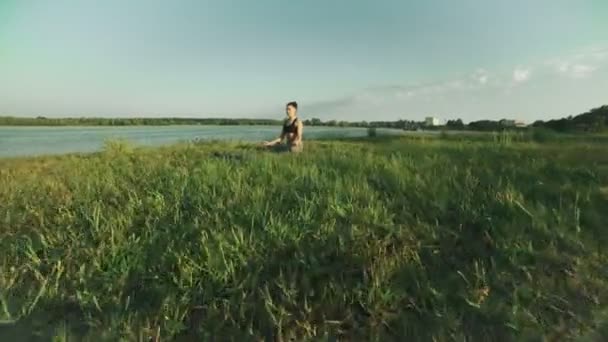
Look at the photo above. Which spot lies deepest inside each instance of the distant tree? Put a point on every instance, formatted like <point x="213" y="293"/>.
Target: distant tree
<point x="484" y="125"/>
<point x="455" y="124"/>
<point x="599" y="124"/>
<point x="591" y="121"/>
<point x="538" y="123"/>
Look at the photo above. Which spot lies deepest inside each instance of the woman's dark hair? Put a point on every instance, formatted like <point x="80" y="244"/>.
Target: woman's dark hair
<point x="294" y="104"/>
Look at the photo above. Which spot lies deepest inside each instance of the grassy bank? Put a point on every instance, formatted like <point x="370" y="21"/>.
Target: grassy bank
<point x="369" y="240"/>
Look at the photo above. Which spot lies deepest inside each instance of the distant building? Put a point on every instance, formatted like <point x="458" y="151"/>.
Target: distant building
<point x="512" y="123"/>
<point x="432" y="121"/>
<point x="507" y="123"/>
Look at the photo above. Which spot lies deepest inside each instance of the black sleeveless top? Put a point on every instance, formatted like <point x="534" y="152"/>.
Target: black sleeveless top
<point x="290" y="127"/>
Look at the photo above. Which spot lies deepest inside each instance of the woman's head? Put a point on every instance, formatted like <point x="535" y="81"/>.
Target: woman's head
<point x="291" y="109"/>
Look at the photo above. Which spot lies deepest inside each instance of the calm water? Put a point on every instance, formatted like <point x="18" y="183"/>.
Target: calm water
<point x="32" y="141"/>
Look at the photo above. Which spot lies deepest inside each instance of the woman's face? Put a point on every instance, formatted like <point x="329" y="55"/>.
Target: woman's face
<point x="291" y="111"/>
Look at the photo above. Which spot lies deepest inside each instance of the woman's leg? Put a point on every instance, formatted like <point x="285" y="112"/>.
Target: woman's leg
<point x="296" y="148"/>
<point x="279" y="148"/>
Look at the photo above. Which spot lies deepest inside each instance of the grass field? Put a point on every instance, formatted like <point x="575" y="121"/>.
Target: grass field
<point x="379" y="239"/>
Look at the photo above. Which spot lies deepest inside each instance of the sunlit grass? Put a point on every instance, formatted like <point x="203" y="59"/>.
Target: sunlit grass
<point x="379" y="239"/>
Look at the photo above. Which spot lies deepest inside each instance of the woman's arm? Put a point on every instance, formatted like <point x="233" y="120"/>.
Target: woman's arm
<point x="299" y="131"/>
<point x="275" y="141"/>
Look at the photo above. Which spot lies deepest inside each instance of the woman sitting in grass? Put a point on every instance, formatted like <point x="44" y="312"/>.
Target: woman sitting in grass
<point x="292" y="131"/>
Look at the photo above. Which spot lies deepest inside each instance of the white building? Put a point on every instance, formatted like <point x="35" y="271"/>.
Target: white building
<point x="432" y="121"/>
<point x="512" y="123"/>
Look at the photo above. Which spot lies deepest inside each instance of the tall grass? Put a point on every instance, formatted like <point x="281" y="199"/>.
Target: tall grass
<point x="383" y="240"/>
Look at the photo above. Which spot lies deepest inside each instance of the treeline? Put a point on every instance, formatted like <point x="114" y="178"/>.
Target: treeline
<point x="595" y="120"/>
<point x="43" y="121"/>
<point x="409" y="125"/>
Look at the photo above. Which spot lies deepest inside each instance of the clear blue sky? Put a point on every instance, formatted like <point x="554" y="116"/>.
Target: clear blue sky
<point x="341" y="59"/>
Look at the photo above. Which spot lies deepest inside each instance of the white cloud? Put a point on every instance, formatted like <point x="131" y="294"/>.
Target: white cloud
<point x="480" y="76"/>
<point x="582" y="70"/>
<point x="600" y="55"/>
<point x="521" y="75"/>
<point x="475" y="93"/>
<point x="580" y="65"/>
<point x="483" y="79"/>
<point x="562" y="67"/>
<point x="457" y="84"/>
<point x="423" y="95"/>
<point x="596" y="54"/>
<point x="574" y="70"/>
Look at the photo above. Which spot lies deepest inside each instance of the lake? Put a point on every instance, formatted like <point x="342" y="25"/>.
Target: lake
<point x="33" y="141"/>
